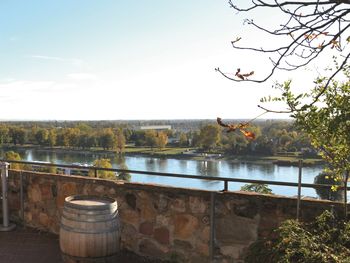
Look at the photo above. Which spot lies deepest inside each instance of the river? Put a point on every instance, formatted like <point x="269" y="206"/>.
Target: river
<point x="217" y="168"/>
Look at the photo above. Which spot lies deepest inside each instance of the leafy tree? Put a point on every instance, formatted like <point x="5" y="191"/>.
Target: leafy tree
<point x="4" y="134"/>
<point x="42" y="136"/>
<point x="83" y="140"/>
<point x="210" y="136"/>
<point x="327" y="123"/>
<point x="18" y="135"/>
<point x="107" y="139"/>
<point x="235" y="144"/>
<point x="183" y="141"/>
<point x="328" y="193"/>
<point x="52" y="137"/>
<point x="161" y="140"/>
<point x="265" y="145"/>
<point x="14" y="156"/>
<point x="120" y="141"/>
<point x="151" y="138"/>
<point x="103" y="163"/>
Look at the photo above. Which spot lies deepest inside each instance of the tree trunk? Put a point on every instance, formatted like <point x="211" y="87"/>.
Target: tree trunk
<point x="345" y="195"/>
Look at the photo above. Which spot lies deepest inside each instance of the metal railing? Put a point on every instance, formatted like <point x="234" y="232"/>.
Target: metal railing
<point x="225" y="180"/>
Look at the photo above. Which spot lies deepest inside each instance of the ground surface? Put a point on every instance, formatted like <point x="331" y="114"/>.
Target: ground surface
<point x="26" y="245"/>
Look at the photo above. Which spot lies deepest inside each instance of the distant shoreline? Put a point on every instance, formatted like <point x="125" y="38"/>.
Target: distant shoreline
<point x="179" y="154"/>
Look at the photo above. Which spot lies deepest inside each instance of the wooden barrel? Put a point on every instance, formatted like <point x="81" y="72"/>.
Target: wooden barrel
<point x="90" y="230"/>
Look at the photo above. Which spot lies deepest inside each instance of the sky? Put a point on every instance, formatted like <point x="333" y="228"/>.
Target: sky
<point x="126" y="60"/>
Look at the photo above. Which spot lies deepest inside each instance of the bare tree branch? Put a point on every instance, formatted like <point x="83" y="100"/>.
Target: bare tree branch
<point x="313" y="27"/>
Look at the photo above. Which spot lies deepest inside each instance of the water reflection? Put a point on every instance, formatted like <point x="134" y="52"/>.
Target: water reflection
<point x="121" y="164"/>
<point x="150" y="164"/>
<point x="207" y="168"/>
<point x="162" y="164"/>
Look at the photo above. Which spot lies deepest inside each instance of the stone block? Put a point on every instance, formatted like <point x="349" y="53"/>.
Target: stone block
<point x="130" y="217"/>
<point x="64" y="190"/>
<point x="147" y="211"/>
<point x="34" y="193"/>
<point x="100" y="189"/>
<point x="131" y="200"/>
<point x="129" y="237"/>
<point x="44" y="220"/>
<point x="233" y="251"/>
<point x="197" y="205"/>
<point x="46" y="192"/>
<point x="146" y="228"/>
<point x="178" y="205"/>
<point x="162" y="235"/>
<point x="205" y="234"/>
<point x="183" y="245"/>
<point x="162" y="220"/>
<point x="149" y="248"/>
<point x="234" y="229"/>
<point x="185" y="226"/>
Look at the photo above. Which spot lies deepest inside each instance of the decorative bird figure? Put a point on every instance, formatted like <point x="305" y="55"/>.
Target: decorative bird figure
<point x="240" y="126"/>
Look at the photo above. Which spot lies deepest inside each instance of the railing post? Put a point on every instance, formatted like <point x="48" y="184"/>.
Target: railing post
<point x="225" y="186"/>
<point x="6" y="225"/>
<point x="21" y="194"/>
<point x="299" y="188"/>
<point x="95" y="172"/>
<point x="212" y="227"/>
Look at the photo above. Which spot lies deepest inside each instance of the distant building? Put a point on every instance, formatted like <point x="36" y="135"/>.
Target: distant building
<point x="156" y="127"/>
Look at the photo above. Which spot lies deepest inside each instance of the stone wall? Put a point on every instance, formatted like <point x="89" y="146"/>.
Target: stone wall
<point x="163" y="222"/>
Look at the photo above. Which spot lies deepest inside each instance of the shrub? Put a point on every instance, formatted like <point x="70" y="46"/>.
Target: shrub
<point x="326" y="240"/>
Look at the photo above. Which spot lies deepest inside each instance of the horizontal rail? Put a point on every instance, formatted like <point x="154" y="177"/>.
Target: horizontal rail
<point x="226" y="180"/>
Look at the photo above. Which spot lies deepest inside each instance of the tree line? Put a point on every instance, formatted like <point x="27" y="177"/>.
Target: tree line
<point x="271" y="137"/>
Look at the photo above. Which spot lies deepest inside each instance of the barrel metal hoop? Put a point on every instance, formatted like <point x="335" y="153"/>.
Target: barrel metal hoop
<point x="89" y="212"/>
<point x="112" y="217"/>
<point x="75" y="230"/>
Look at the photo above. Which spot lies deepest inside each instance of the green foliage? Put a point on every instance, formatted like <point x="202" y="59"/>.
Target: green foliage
<point x="161" y="140"/>
<point x="120" y="160"/>
<point x="209" y="136"/>
<point x="120" y="141"/>
<point x="103" y="163"/>
<point x="326" y="240"/>
<point x="328" y="193"/>
<point x="324" y="115"/>
<point x="151" y="138"/>
<point x="257" y="188"/>
<point x="13" y="156"/>
<point x="4" y="134"/>
<point x="183" y="140"/>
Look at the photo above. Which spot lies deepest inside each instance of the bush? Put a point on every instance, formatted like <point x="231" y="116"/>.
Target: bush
<point x="257" y="188"/>
<point x="326" y="240"/>
<point x="328" y="193"/>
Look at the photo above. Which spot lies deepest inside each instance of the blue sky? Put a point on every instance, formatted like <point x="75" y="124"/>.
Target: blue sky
<point x="88" y="60"/>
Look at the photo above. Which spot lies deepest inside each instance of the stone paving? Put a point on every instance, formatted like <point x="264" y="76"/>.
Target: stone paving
<point x="26" y="245"/>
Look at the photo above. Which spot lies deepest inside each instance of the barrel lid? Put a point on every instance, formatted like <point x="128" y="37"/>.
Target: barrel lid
<point x="90" y="202"/>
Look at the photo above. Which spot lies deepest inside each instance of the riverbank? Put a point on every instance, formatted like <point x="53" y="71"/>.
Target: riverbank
<point x="179" y="153"/>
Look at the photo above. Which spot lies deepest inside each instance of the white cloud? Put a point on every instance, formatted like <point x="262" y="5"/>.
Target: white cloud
<point x="82" y="76"/>
<point x="73" y="61"/>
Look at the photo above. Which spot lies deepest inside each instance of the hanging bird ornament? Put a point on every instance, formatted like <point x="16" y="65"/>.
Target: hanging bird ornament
<point x="243" y="76"/>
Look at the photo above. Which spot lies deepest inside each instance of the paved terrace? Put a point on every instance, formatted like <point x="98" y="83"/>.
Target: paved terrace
<point x="27" y="245"/>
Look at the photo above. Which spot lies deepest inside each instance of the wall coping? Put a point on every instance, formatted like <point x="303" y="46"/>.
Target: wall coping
<point x="171" y="189"/>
